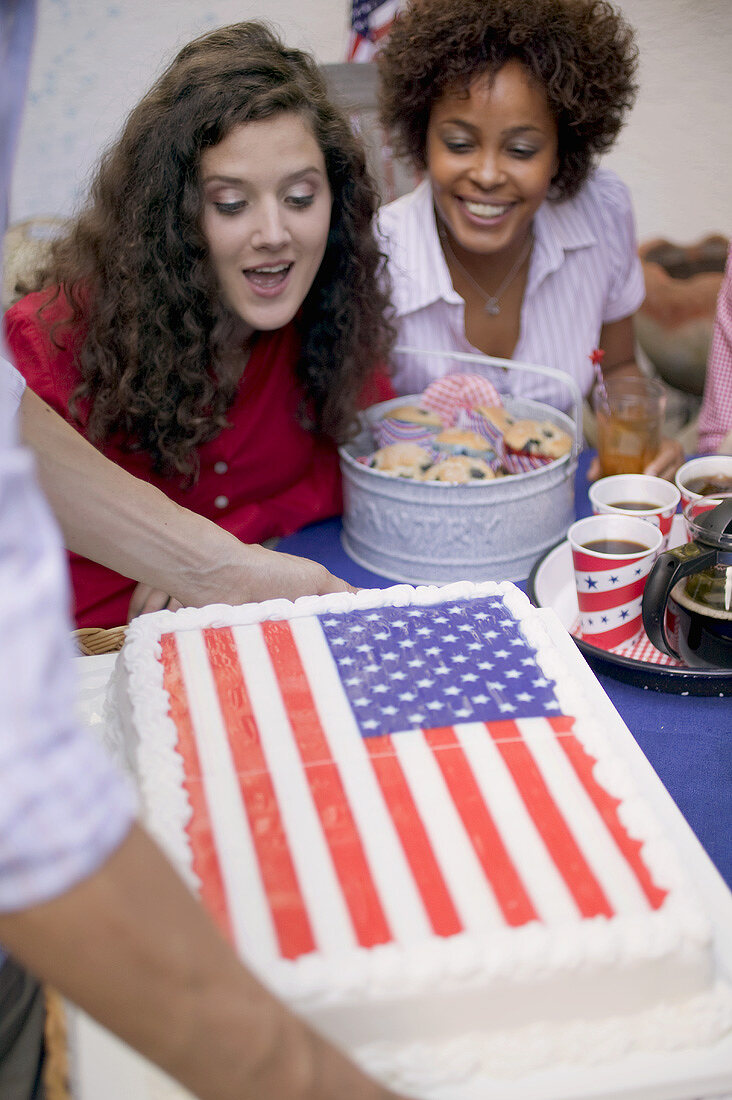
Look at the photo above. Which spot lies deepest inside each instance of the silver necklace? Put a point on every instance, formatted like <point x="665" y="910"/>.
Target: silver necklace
<point x="492" y="301"/>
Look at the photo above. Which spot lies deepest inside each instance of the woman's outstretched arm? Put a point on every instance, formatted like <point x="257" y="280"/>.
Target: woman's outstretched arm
<point x="130" y="526"/>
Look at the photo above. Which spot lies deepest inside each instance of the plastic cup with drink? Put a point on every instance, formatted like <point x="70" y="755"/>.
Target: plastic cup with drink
<point x="629" y="412"/>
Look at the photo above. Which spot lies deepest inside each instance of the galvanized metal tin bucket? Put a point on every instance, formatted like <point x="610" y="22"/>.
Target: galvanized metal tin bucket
<point x="432" y="533"/>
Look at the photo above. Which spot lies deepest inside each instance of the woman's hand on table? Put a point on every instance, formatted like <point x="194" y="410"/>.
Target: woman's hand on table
<point x="249" y="574"/>
<point x="670" y="456"/>
<point x="268" y="574"/>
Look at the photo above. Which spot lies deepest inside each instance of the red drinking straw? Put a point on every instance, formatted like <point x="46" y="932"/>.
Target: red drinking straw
<point x="597" y="357"/>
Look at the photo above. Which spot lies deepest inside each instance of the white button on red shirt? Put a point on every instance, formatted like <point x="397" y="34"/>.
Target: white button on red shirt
<point x="221" y="467"/>
<point x="221" y="502"/>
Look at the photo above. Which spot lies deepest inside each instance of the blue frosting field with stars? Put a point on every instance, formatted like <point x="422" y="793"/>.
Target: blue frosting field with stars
<point x="423" y="667"/>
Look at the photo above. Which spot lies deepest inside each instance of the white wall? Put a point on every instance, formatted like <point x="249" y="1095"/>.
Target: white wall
<point x="676" y="151"/>
<point x="94" y="58"/>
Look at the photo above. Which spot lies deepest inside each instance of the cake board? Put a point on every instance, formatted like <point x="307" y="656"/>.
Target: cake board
<point x="100" y="1063"/>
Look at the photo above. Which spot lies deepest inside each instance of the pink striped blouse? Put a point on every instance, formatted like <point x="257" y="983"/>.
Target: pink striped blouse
<point x="715" y="418"/>
<point x="584" y="272"/>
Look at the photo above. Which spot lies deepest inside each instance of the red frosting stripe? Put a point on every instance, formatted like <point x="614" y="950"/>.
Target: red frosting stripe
<point x="499" y="868"/>
<point x="287" y="905"/>
<point x="607" y="807"/>
<point x="330" y="799"/>
<point x="553" y="829"/>
<point x="413" y="836"/>
<point x="200" y="833"/>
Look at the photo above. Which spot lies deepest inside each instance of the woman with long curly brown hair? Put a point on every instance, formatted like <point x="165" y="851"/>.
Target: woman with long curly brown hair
<point x="214" y="317"/>
<point x="515" y="244"/>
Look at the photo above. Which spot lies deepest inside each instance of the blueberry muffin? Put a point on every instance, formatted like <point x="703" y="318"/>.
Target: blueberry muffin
<point x="537" y="437"/>
<point x="497" y="416"/>
<point x="462" y="441"/>
<point x="415" y="414"/>
<point x="401" y="460"/>
<point x="459" y="469"/>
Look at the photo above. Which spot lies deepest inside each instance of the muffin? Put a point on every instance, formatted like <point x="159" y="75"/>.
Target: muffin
<point x="537" y="437"/>
<point x="496" y="415"/>
<point x="462" y="441"/>
<point x="401" y="460"/>
<point x="415" y="414"/>
<point x="459" y="469"/>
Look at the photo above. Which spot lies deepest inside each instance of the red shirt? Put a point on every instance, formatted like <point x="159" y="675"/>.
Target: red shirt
<point x="262" y="476"/>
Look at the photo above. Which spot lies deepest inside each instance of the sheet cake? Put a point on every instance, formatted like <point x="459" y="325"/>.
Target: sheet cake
<point x="400" y="809"/>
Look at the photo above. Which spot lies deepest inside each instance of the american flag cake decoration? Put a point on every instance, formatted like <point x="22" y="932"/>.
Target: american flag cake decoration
<point x="390" y="776"/>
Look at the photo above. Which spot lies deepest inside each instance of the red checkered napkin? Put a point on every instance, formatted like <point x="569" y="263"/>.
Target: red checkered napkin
<point x="447" y="396"/>
<point x="642" y="649"/>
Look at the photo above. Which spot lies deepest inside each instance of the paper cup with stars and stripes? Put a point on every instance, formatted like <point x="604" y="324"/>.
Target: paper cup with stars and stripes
<point x="612" y="557"/>
<point x="648" y="498"/>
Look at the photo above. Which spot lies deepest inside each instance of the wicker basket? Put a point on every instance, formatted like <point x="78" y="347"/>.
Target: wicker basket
<point x="56" y="1077"/>
<point x="93" y="640"/>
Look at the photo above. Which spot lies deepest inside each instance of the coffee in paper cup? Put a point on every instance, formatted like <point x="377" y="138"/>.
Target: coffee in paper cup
<point x="612" y="556"/>
<point x="637" y="495"/>
<point x="703" y="477"/>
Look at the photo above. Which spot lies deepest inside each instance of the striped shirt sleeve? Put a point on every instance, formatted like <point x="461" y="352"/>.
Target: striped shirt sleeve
<point x="715" y="418"/>
<point x="12" y="387"/>
<point x="63" y="808"/>
<point x="627" y="288"/>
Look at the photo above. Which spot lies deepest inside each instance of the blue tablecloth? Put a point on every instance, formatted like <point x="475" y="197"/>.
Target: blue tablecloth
<point x="687" y="739"/>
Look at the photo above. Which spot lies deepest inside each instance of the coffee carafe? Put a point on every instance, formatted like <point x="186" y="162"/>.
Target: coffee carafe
<point x="687" y="601"/>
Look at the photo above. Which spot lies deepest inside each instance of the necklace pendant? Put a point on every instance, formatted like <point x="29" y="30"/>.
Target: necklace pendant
<point x="492" y="307"/>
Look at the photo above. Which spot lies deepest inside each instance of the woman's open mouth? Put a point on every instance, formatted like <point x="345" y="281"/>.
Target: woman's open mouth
<point x="269" y="279"/>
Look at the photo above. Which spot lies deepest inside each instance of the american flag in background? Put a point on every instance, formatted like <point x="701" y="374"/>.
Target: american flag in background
<point x="370" y="22"/>
<point x="387" y="775"/>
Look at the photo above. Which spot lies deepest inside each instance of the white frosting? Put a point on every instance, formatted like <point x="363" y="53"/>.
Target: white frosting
<point x="428" y="1068"/>
<point x="579" y="974"/>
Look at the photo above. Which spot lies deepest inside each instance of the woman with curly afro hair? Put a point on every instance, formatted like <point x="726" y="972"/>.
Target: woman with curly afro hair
<point x="214" y="317"/>
<point x="515" y="244"/>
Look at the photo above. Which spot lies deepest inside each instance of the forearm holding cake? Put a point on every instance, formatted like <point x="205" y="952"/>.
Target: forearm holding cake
<point x="172" y="986"/>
